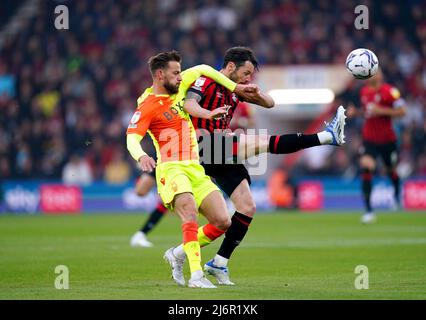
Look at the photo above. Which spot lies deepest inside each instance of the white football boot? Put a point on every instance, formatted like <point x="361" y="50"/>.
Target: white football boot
<point x="337" y="127"/>
<point x="177" y="266"/>
<point x="139" y="240"/>
<point x="220" y="273"/>
<point x="368" y="218"/>
<point x="199" y="280"/>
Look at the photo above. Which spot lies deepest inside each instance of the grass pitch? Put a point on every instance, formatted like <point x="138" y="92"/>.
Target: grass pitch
<point x="284" y="256"/>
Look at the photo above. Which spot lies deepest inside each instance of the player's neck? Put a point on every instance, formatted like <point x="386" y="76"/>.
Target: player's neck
<point x="159" y="89"/>
<point x="376" y="85"/>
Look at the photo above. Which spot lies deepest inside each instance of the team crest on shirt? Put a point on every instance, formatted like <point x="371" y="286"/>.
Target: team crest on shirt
<point x="219" y="95"/>
<point x="234" y="97"/>
<point x="135" y="118"/>
<point x="199" y="82"/>
<point x="174" y="186"/>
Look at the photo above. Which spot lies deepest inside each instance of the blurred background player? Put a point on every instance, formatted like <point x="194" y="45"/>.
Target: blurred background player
<point x="380" y="102"/>
<point x="143" y="185"/>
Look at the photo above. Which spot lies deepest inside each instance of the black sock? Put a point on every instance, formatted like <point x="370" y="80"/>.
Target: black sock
<point x="154" y="218"/>
<point x="366" y="177"/>
<point x="288" y="143"/>
<point x="396" y="184"/>
<point x="235" y="234"/>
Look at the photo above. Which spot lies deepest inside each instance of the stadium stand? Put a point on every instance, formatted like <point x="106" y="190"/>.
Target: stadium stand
<point x="67" y="92"/>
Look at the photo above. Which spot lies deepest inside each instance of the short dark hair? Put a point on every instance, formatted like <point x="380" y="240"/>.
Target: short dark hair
<point x="161" y="60"/>
<point x="239" y="55"/>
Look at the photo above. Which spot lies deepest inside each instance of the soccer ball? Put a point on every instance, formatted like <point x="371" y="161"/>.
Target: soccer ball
<point x="362" y="63"/>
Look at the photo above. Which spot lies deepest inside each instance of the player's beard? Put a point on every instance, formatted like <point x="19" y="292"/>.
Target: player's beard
<point x="233" y="76"/>
<point x="171" y="89"/>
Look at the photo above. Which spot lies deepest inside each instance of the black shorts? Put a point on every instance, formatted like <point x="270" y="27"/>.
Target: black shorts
<point x="218" y="156"/>
<point x="218" y="148"/>
<point x="227" y="176"/>
<point x="387" y="151"/>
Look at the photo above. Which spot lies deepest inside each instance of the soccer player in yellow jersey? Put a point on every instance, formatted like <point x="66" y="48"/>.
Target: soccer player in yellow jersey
<point x="182" y="183"/>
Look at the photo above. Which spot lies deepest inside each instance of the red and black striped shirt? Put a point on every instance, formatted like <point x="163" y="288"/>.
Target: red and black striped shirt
<point x="213" y="96"/>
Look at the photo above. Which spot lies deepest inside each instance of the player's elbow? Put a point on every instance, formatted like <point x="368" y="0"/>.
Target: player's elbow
<point x="267" y="104"/>
<point x="205" y="66"/>
<point x="270" y="104"/>
<point x="267" y="101"/>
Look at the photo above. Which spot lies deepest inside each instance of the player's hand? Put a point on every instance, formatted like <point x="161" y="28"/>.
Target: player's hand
<point x="372" y="110"/>
<point x="147" y="163"/>
<point x="219" y="112"/>
<point x="246" y="90"/>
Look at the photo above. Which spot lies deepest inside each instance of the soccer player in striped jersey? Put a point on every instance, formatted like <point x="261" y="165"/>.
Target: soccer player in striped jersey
<point x="380" y="102"/>
<point x="206" y="95"/>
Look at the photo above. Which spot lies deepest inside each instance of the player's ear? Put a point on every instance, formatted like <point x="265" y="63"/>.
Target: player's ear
<point x="231" y="66"/>
<point x="160" y="74"/>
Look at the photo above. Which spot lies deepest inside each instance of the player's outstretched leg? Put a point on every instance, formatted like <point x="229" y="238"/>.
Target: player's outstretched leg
<point x="139" y="239"/>
<point x="333" y="134"/>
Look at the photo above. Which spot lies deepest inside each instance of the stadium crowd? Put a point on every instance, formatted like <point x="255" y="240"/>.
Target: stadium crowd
<point x="66" y="96"/>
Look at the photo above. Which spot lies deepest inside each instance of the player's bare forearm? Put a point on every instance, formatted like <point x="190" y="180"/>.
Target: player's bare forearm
<point x="393" y="113"/>
<point x="195" y="110"/>
<point x="399" y="112"/>
<point x="264" y="100"/>
<point x="260" y="98"/>
<point x="193" y="107"/>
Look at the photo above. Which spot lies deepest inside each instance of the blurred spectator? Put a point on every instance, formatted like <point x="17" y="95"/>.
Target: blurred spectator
<point x="281" y="190"/>
<point x="71" y="91"/>
<point x="7" y="83"/>
<point x="118" y="171"/>
<point x="77" y="171"/>
<point x="242" y="117"/>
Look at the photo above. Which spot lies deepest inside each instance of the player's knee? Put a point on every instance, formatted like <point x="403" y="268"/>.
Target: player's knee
<point x="141" y="192"/>
<point x="392" y="173"/>
<point x="187" y="213"/>
<point x="247" y="207"/>
<point x="186" y="209"/>
<point x="367" y="162"/>
<point x="222" y="223"/>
